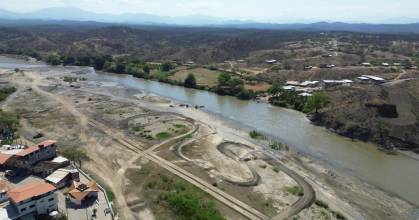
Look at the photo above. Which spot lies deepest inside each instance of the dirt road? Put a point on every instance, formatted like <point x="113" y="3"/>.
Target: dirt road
<point x="218" y="194"/>
<point x="139" y="150"/>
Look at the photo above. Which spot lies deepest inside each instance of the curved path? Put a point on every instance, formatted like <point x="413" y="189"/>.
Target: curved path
<point x="303" y="202"/>
<point x="232" y="202"/>
<point x="218" y="194"/>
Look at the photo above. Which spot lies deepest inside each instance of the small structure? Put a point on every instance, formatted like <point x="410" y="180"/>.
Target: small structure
<point x="63" y="177"/>
<point x="292" y="83"/>
<point x="61" y="161"/>
<point x="309" y="83"/>
<point x="4" y="188"/>
<point x="190" y="63"/>
<point x="80" y="192"/>
<point x="288" y="88"/>
<point x="333" y="83"/>
<point x="363" y="79"/>
<point x="34" y="198"/>
<point x="305" y="94"/>
<point x="375" y="79"/>
<point x="271" y="61"/>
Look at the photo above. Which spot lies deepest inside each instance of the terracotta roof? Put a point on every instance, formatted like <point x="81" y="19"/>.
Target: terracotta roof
<point x="78" y="194"/>
<point x="35" y="148"/>
<point x="30" y="190"/>
<point x="4" y="158"/>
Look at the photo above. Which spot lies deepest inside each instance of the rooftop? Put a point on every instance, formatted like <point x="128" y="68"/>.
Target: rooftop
<point x="35" y="148"/>
<point x="30" y="190"/>
<point x="59" y="159"/>
<point x="376" y="78"/>
<point x="4" y="157"/>
<point x="80" y="190"/>
<point x="58" y="175"/>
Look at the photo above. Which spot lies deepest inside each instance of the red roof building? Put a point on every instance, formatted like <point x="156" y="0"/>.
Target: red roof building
<point x="34" y="198"/>
<point x="28" y="191"/>
<point x="35" y="148"/>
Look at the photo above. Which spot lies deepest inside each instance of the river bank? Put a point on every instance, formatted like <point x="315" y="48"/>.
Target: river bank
<point x="358" y="159"/>
<point x="342" y="192"/>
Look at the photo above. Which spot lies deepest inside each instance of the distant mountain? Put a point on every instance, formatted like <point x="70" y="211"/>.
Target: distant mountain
<point x="335" y="26"/>
<point x="77" y="14"/>
<point x="73" y="15"/>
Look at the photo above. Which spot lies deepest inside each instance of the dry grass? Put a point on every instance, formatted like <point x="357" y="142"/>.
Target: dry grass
<point x="258" y="87"/>
<point x="203" y="76"/>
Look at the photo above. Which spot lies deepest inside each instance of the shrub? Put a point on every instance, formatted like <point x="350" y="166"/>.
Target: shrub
<point x="163" y="135"/>
<point x="322" y="204"/>
<point x="256" y="135"/>
<point x="6" y="91"/>
<point x="295" y="190"/>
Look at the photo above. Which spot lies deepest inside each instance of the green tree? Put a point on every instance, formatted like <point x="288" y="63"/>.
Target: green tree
<point x="68" y="60"/>
<point x="99" y="62"/>
<point x="146" y="69"/>
<point x="276" y="87"/>
<point x="120" y="68"/>
<point x="167" y="66"/>
<point x="9" y="122"/>
<point x="224" y="79"/>
<point x="317" y="101"/>
<point x="75" y="155"/>
<point x="53" y="59"/>
<point x="190" y="81"/>
<point x="246" y="94"/>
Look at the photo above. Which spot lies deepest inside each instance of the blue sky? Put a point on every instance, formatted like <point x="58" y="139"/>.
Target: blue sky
<point x="259" y="10"/>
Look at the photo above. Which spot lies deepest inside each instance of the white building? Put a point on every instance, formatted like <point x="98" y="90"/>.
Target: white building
<point x="272" y="61"/>
<point x="288" y="88"/>
<point x="332" y="83"/>
<point x="292" y="83"/>
<point x="309" y="83"/>
<point x="62" y="177"/>
<point x="375" y="79"/>
<point x="34" y="198"/>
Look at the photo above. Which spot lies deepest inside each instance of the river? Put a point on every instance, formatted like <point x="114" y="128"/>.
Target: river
<point x="398" y="174"/>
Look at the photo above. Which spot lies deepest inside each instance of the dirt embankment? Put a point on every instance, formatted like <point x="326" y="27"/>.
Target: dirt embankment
<point x="386" y="114"/>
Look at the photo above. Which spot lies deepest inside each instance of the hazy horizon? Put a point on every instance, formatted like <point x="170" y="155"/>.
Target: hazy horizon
<point x="373" y="11"/>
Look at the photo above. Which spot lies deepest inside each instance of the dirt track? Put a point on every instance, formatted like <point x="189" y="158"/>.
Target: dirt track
<point x="230" y="201"/>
